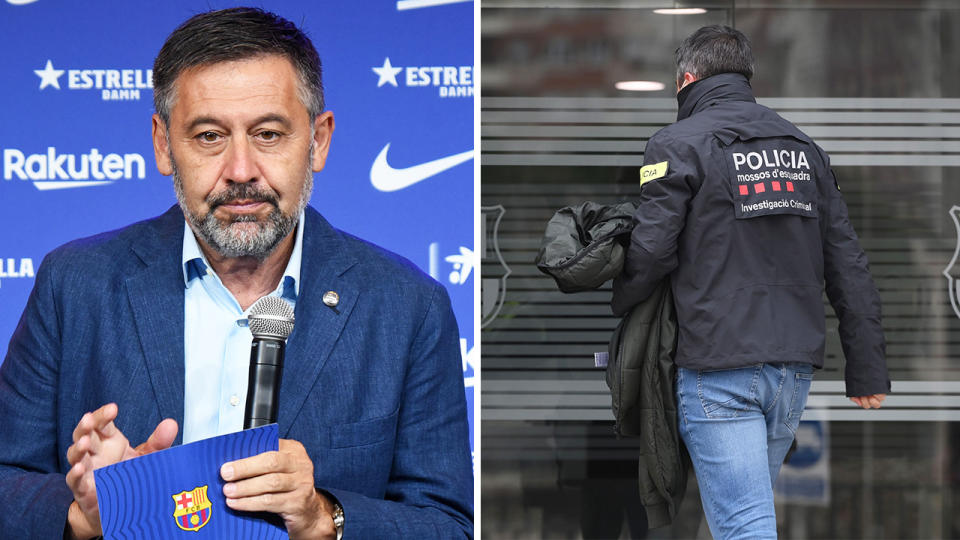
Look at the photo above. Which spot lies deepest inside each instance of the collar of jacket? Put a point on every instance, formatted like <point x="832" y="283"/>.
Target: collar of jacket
<point x="701" y="94"/>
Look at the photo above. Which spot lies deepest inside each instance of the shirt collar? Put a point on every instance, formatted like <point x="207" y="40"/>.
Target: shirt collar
<point x="195" y="265"/>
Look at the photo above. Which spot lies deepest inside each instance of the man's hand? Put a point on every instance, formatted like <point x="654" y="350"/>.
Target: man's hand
<point x="97" y="443"/>
<point x="869" y="402"/>
<point x="282" y="483"/>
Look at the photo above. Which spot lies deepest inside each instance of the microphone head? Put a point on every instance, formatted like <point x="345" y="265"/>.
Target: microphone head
<point x="271" y="317"/>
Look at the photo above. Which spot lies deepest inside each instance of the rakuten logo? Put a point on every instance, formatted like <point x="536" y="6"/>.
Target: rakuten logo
<point x="58" y="171"/>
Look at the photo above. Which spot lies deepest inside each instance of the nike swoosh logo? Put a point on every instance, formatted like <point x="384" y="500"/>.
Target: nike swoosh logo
<point x="386" y="178"/>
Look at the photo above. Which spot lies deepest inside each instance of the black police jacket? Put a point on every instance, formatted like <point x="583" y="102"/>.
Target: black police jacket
<point x="742" y="210"/>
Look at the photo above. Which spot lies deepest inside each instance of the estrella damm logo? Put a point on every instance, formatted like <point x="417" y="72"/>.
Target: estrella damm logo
<point x="192" y="510"/>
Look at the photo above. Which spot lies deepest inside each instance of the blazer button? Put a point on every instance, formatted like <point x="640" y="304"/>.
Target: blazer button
<point x="331" y="298"/>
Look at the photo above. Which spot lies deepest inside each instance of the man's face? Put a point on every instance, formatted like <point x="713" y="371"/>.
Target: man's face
<point x="242" y="149"/>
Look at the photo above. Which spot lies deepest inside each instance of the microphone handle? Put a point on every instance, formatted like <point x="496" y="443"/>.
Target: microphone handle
<point x="263" y="382"/>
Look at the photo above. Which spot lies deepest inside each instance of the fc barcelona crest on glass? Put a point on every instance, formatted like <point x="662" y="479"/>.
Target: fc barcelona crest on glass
<point x="192" y="509"/>
<point x="493" y="285"/>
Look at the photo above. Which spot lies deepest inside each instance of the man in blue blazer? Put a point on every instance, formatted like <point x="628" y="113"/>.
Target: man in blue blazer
<point x="372" y="411"/>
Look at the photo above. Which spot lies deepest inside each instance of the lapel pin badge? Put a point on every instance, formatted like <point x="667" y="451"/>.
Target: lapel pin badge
<point x="331" y="298"/>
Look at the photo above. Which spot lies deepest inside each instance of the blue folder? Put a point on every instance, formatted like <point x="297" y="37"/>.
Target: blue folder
<point x="178" y="493"/>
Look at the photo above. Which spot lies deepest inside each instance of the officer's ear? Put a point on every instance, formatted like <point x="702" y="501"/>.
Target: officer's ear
<point x="687" y="79"/>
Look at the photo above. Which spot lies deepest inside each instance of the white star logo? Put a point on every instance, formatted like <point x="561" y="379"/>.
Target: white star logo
<point x="49" y="76"/>
<point x="387" y="73"/>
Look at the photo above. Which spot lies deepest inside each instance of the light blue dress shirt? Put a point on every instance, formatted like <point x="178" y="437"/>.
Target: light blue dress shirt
<point x="217" y="342"/>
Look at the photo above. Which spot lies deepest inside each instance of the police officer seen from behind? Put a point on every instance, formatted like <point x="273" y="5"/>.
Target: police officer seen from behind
<point x="741" y="211"/>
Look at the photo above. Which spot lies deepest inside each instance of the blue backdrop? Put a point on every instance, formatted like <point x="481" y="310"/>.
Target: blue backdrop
<point x="398" y="76"/>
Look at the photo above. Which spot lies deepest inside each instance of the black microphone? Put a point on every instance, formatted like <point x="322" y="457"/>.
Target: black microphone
<point x="271" y="321"/>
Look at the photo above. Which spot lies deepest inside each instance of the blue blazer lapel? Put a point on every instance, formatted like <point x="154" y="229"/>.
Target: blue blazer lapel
<point x="318" y="326"/>
<point x="155" y="292"/>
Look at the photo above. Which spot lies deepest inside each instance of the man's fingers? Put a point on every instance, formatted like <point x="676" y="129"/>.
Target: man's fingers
<point x="291" y="446"/>
<point x="73" y="477"/>
<point x="104" y="416"/>
<point x="161" y="438"/>
<point x="88" y="444"/>
<point x="84" y="426"/>
<point x="277" y="503"/>
<point x="287" y="460"/>
<point x="869" y="402"/>
<point x="78" y="449"/>
<point x="96" y="442"/>
<point x="267" y="462"/>
<point x="265" y="483"/>
<point x="87" y="486"/>
<point x="266" y="502"/>
<point x="81" y="482"/>
<point x="99" y="420"/>
<point x="108" y="430"/>
<point x="280" y="482"/>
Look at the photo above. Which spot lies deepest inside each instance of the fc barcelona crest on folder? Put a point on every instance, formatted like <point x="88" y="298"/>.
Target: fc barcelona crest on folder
<point x="192" y="509"/>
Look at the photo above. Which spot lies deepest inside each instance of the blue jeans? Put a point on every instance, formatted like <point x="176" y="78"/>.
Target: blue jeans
<point x="738" y="425"/>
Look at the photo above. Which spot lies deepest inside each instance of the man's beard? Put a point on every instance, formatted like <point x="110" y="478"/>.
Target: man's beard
<point x="231" y="240"/>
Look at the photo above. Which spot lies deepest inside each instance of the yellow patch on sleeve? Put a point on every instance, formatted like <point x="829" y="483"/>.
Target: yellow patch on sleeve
<point x="652" y="172"/>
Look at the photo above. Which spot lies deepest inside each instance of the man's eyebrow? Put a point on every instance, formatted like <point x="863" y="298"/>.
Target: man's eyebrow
<point x="200" y="120"/>
<point x="280" y="119"/>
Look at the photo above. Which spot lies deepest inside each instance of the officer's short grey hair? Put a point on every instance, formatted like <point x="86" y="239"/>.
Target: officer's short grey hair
<point x="715" y="49"/>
